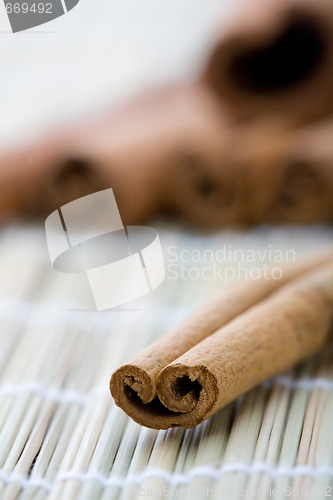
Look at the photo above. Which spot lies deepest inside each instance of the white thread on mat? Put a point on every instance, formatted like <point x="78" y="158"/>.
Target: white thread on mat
<point x="63" y="396"/>
<point x="169" y="478"/>
<point x="308" y="384"/>
<point x="64" y="313"/>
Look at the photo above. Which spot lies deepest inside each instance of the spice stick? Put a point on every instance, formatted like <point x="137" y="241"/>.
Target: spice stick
<point x="275" y="58"/>
<point x="176" y="153"/>
<point x="136" y="150"/>
<point x="294" y="169"/>
<point x="280" y="175"/>
<point x="215" y="354"/>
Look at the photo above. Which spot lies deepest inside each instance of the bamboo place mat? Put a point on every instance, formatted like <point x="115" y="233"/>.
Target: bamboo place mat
<point x="62" y="437"/>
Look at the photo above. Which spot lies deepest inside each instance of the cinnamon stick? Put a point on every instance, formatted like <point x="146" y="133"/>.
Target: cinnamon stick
<point x="175" y="153"/>
<point x="275" y="58"/>
<point x="136" y="151"/>
<point x="288" y="174"/>
<point x="243" y="336"/>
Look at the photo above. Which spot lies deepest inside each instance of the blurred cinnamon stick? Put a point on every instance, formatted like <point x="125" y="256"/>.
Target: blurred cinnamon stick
<point x="134" y="151"/>
<point x="293" y="172"/>
<point x="177" y="153"/>
<point x="275" y="58"/>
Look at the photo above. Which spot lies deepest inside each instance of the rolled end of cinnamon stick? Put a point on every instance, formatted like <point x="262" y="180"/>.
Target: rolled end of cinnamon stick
<point x="184" y="396"/>
<point x="275" y="58"/>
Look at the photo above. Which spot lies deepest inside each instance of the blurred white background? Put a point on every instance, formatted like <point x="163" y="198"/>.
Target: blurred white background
<point x="98" y="54"/>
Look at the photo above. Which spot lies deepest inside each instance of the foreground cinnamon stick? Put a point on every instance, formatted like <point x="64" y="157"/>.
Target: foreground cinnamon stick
<point x="275" y="58"/>
<point x="219" y="353"/>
